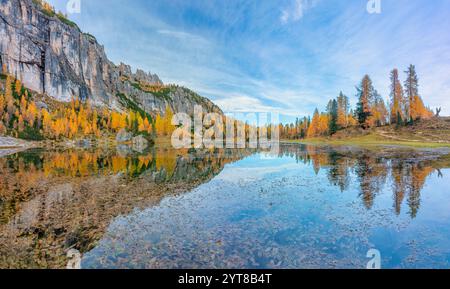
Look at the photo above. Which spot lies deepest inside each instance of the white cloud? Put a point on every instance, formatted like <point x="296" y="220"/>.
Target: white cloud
<point x="260" y="67"/>
<point x="181" y="35"/>
<point x="296" y="10"/>
<point x="244" y="103"/>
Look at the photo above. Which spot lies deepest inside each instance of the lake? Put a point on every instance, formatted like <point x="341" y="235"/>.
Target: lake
<point x="306" y="207"/>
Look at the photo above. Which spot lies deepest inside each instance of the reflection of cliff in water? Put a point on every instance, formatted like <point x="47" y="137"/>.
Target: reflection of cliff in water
<point x="51" y="202"/>
<point x="407" y="169"/>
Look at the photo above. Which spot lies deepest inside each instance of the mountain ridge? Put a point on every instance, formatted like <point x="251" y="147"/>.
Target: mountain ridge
<point x="50" y="55"/>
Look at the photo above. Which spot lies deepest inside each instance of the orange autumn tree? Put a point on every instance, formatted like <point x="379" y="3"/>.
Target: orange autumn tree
<point x="313" y="130"/>
<point x="418" y="109"/>
<point x="405" y="106"/>
<point x="79" y="119"/>
<point x="397" y="114"/>
<point x="324" y="121"/>
<point x="118" y="121"/>
<point x="415" y="109"/>
<point x="365" y="94"/>
<point x="144" y="125"/>
<point x="342" y="113"/>
<point x="21" y="117"/>
<point x="380" y="113"/>
<point x="163" y="123"/>
<point x="2" y="107"/>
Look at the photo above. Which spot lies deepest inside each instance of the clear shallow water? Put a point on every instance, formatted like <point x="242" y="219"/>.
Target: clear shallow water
<point x="308" y="208"/>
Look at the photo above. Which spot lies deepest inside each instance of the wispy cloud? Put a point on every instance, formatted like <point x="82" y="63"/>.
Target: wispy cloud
<point x="181" y="35"/>
<point x="245" y="57"/>
<point x="296" y="10"/>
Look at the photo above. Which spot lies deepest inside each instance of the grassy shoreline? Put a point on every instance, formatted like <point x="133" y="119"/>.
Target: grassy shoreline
<point x="369" y="140"/>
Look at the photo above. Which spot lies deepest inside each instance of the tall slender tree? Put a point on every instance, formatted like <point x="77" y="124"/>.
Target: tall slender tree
<point x="411" y="91"/>
<point x="365" y="94"/>
<point x="397" y="99"/>
<point x="332" y="116"/>
<point x="313" y="129"/>
<point x="343" y="110"/>
<point x="380" y="113"/>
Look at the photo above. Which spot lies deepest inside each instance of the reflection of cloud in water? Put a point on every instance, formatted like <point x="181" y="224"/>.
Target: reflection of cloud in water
<point x="251" y="174"/>
<point x="311" y="208"/>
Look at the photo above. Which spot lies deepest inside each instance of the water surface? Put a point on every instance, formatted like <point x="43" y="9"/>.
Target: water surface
<point x="308" y="207"/>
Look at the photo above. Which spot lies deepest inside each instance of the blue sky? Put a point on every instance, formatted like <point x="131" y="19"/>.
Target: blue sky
<point x="289" y="56"/>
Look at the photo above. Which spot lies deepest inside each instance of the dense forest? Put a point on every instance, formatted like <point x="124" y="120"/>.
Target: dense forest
<point x="404" y="107"/>
<point x="23" y="117"/>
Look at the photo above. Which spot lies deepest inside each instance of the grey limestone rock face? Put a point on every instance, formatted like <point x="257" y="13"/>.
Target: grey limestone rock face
<point x="54" y="57"/>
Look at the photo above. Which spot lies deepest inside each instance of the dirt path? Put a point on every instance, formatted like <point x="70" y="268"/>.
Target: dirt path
<point x="388" y="136"/>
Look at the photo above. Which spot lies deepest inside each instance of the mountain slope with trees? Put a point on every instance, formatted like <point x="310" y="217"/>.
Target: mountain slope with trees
<point x="50" y="55"/>
<point x="27" y="115"/>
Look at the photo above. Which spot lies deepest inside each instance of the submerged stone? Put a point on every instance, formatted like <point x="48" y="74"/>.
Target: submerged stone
<point x="140" y="143"/>
<point x="123" y="136"/>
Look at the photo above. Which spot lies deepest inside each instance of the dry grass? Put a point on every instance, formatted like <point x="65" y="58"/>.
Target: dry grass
<point x="434" y="133"/>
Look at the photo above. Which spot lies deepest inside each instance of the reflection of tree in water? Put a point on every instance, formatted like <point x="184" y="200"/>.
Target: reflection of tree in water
<point x="412" y="177"/>
<point x="372" y="174"/>
<point x="54" y="201"/>
<point x="407" y="170"/>
<point x="338" y="173"/>
<point x="51" y="202"/>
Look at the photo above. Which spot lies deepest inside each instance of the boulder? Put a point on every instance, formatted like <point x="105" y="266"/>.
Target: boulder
<point x="140" y="143"/>
<point x="123" y="136"/>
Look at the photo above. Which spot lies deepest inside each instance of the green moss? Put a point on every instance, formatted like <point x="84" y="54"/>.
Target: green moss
<point x="66" y="21"/>
<point x="194" y="95"/>
<point x="47" y="12"/>
<point x="164" y="93"/>
<point x="130" y="104"/>
<point x="90" y="36"/>
<point x="59" y="15"/>
<point x="136" y="85"/>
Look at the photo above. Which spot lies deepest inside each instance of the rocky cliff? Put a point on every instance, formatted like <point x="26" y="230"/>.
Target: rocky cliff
<point x="50" y="55"/>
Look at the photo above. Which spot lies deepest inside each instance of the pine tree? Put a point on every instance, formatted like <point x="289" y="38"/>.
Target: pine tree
<point x="159" y="126"/>
<point x="46" y="123"/>
<point x="2" y="128"/>
<point x="324" y="121"/>
<point x="416" y="107"/>
<point x="94" y="123"/>
<point x="18" y="88"/>
<point x="397" y="99"/>
<point x="379" y="111"/>
<point x="148" y="125"/>
<point x="10" y="107"/>
<point x="2" y="106"/>
<point x="21" y="125"/>
<point x="411" y="91"/>
<point x="365" y="95"/>
<point x="343" y="107"/>
<point x="333" y="116"/>
<point x="168" y="127"/>
<point x="31" y="113"/>
<point x="313" y="130"/>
